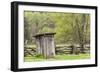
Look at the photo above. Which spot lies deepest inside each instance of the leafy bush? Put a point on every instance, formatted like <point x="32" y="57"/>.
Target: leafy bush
<point x="39" y="55"/>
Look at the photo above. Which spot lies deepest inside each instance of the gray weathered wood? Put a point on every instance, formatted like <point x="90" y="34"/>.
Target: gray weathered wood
<point x="45" y="44"/>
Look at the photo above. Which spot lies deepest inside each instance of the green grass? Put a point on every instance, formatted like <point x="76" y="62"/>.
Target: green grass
<point x="57" y="57"/>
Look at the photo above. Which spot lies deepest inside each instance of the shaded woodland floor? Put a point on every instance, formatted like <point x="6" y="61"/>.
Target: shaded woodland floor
<point x="57" y="57"/>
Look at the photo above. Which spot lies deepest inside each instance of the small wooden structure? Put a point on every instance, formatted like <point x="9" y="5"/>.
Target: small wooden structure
<point x="45" y="44"/>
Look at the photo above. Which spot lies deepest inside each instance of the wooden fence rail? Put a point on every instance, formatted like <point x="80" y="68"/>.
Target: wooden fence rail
<point x="59" y="50"/>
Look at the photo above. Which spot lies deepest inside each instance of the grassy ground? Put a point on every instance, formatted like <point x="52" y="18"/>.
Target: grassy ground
<point x="57" y="57"/>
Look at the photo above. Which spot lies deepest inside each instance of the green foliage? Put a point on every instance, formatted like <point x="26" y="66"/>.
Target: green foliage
<point x="39" y="56"/>
<point x="70" y="28"/>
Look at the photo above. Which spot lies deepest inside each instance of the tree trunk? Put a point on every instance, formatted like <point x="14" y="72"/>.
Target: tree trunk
<point x="82" y="50"/>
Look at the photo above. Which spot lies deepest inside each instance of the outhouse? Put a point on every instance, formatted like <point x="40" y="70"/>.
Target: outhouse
<point x="45" y="44"/>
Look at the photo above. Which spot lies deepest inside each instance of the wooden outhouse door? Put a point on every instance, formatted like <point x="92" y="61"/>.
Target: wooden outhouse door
<point x="49" y="47"/>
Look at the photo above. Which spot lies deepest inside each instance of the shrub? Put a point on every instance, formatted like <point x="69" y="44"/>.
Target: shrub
<point x="39" y="55"/>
